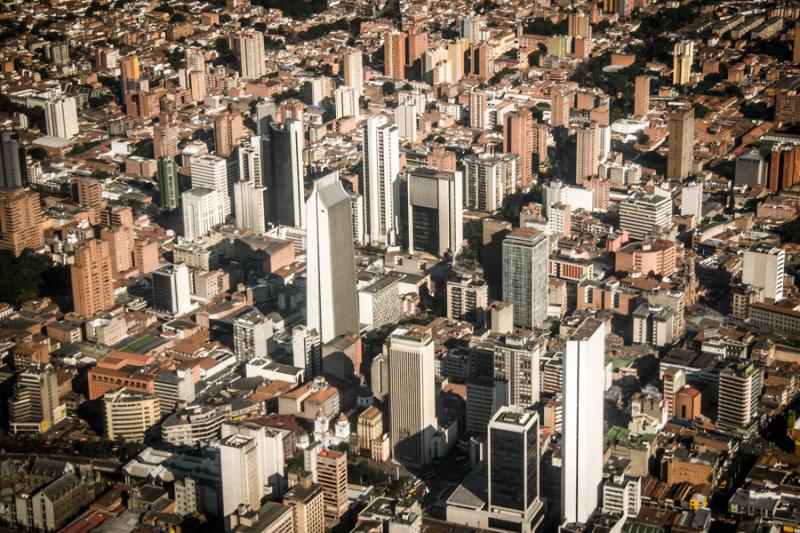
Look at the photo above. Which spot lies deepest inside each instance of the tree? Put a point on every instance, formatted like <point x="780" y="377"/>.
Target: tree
<point x="388" y="88"/>
<point x="700" y="111"/>
<point x="22" y="276"/>
<point x="38" y="153"/>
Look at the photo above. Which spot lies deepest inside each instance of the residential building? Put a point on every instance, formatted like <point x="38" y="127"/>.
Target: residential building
<point x="332" y="475"/>
<point x="680" y="159"/>
<point x="20" y="221"/>
<point x="645" y="215"/>
<point x="34" y="406"/>
<point x="381" y="162"/>
<point x="91" y="277"/>
<point x="763" y="267"/>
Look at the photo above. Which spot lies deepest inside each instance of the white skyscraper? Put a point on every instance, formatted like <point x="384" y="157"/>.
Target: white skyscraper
<point x="412" y="395"/>
<point x="250" y="204"/>
<point x="242" y="472"/>
<point x="250" y="161"/>
<point x="582" y="388"/>
<point x="200" y="212"/>
<point x="269" y="447"/>
<point x="307" y="351"/>
<point x="171" y="289"/>
<point x="61" y="116"/>
<point x="405" y="115"/>
<point x="381" y="167"/>
<point x="211" y="172"/>
<point x="346" y="102"/>
<point x="354" y="71"/>
<point x="330" y="267"/>
<point x="525" y="254"/>
<point x="763" y="267"/>
<point x="692" y="199"/>
<point x="251" y="54"/>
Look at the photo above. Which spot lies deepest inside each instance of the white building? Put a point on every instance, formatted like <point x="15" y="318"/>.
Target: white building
<point x="307" y="351"/>
<point x="763" y="267"/>
<point x="488" y="179"/>
<point x="250" y="205"/>
<point x="211" y="172"/>
<point x="347" y="104"/>
<point x="172" y="290"/>
<point x="354" y="71"/>
<point x="582" y="455"/>
<point x="249" y="153"/>
<point x="405" y="115"/>
<point x="200" y="212"/>
<point x="61" y="116"/>
<point x="692" y="199"/>
<point x="251" y="54"/>
<point x="381" y="167"/>
<point x="645" y="215"/>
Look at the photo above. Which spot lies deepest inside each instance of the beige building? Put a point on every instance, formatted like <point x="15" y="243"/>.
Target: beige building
<point x="587" y="153"/>
<point x="641" y="101"/>
<point x="681" y="143"/>
<point x="371" y="436"/>
<point x="251" y="54"/>
<point x="91" y="276"/>
<point x="34" y="406"/>
<point x="682" y="59"/>
<point x="467" y="298"/>
<point x="20" y="221"/>
<point x="332" y="475"/>
<point x="308" y="506"/>
<point x="129" y="415"/>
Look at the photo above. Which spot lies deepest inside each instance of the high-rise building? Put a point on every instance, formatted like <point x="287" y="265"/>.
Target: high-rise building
<point x="412" y="395"/>
<point x="250" y="203"/>
<point x="171" y="289"/>
<point x="681" y="143"/>
<point x="489" y="178"/>
<point x="519" y="137"/>
<point x="201" y="212"/>
<point x="196" y="72"/>
<point x="470" y="28"/>
<point x="682" y="59"/>
<point x="516" y="361"/>
<point x="20" y="221"/>
<point x="61" y="116"/>
<point x="89" y="193"/>
<point x="165" y="141"/>
<point x="307" y="351"/>
<point x="331" y="277"/>
<point x="129" y="415"/>
<point x="587" y="153"/>
<point x="266" y="112"/>
<point x="13" y="170"/>
<point x="210" y="171"/>
<point x="405" y="115"/>
<point x="34" y="406"/>
<point x="91" y="277"/>
<point x="559" y="106"/>
<point x="482" y="61"/>
<point x="169" y="195"/>
<point x="582" y="389"/>
<point x="645" y="215"/>
<point x="250" y="165"/>
<point x="579" y="24"/>
<point x="283" y="174"/>
<point x="417" y="43"/>
<point x="435" y="211"/>
<point x="251" y="332"/>
<point x="332" y="475"/>
<point x="478" y="114"/>
<point x="381" y="167"/>
<point x="251" y="54"/>
<point x="525" y="254"/>
<point x="347" y="102"/>
<point x="738" y="398"/>
<point x="130" y="77"/>
<point x="228" y="129"/>
<point x="692" y="199"/>
<point x="242" y="472"/>
<point x="763" y="267"/>
<point x="641" y="100"/>
<point x="354" y="71"/>
<point x="513" y="469"/>
<point x="394" y="54"/>
<point x="485" y="396"/>
<point x="308" y="506"/>
<point x="269" y="453"/>
<point x="467" y="298"/>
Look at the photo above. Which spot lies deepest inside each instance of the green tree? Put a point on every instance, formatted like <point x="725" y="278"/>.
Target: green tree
<point x="388" y="88"/>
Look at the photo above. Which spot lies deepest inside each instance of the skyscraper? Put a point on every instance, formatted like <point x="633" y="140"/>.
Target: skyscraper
<point x="165" y="141"/>
<point x="92" y="284"/>
<point x="20" y="221"/>
<point x="380" y="170"/>
<point x="681" y="143"/>
<point x="282" y="175"/>
<point x="210" y="171"/>
<point x="394" y="54"/>
<point x="516" y="361"/>
<point x="61" y="116"/>
<point x="201" y="212"/>
<point x="519" y="137"/>
<point x="641" y="101"/>
<point x="13" y="171"/>
<point x="250" y="203"/>
<point x="242" y="472"/>
<point x="435" y="211"/>
<point x="228" y="129"/>
<point x="169" y="196"/>
<point x="332" y="475"/>
<point x="307" y="351"/>
<point x="739" y="392"/>
<point x="266" y="111"/>
<point x="682" y="59"/>
<point x="477" y="110"/>
<point x="331" y="277"/>
<point x="34" y="406"/>
<point x="89" y="193"/>
<point x="525" y="254"/>
<point x="353" y="71"/>
<point x="405" y="115"/>
<point x="412" y="395"/>
<point x="559" y="106"/>
<point x="513" y="453"/>
<point x="587" y="152"/>
<point x="489" y="179"/>
<point x="763" y="267"/>
<point x="582" y="389"/>
<point x="171" y="289"/>
<point x="251" y="54"/>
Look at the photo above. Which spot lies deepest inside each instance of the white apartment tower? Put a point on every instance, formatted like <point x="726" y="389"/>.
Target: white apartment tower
<point x="201" y="212"/>
<point x="251" y="54"/>
<point x="250" y="202"/>
<point x="171" y="289"/>
<point x="211" y="172"/>
<point x="763" y="267"/>
<point x="381" y="167"/>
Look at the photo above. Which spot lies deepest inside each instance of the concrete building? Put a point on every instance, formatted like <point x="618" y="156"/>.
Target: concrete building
<point x="210" y="171"/>
<point x="250" y="202"/>
<point x="241" y="468"/>
<point x="485" y="396"/>
<point x="682" y="59"/>
<point x="645" y="215"/>
<point x="251" y="332"/>
<point x="283" y="173"/>
<point x="519" y="138"/>
<point x="201" y="212"/>
<point x="692" y="200"/>
<point x="332" y="475"/>
<point x="307" y="351"/>
<point x="394" y="54"/>
<point x="61" y="116"/>
<point x="763" y="267"/>
<point x="435" y="211"/>
<point x="489" y="179"/>
<point x="13" y="171"/>
<point x="738" y="398"/>
<point x="516" y="361"/>
<point x="587" y="153"/>
<point x="251" y="54"/>
<point x="169" y="196"/>
<point x="405" y="116"/>
<point x="381" y="162"/>
<point x="20" y="221"/>
<point x="347" y="102"/>
<point x="34" y="406"/>
<point x="751" y="169"/>
<point x="308" y="506"/>
<point x="354" y="71"/>
<point x="680" y="159"/>
<point x="641" y="100"/>
<point x="467" y="298"/>
<point x="91" y="277"/>
<point x="379" y="302"/>
<point x="525" y="254"/>
<point x="130" y="415"/>
<point x="172" y="289"/>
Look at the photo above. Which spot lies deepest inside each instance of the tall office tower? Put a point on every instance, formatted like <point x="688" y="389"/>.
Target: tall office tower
<point x="582" y="389"/>
<point x="129" y="415"/>
<point x="330" y="269"/>
<point x="250" y="165"/>
<point x="489" y="179"/>
<point x="380" y="170"/>
<point x="269" y="452"/>
<point x="354" y="71"/>
<point x="13" y="169"/>
<point x="308" y="506"/>
<point x="559" y="106"/>
<point x="282" y="157"/>
<point x="251" y="54"/>
<point x="228" y="129"/>
<point x="20" y="221"/>
<point x="251" y="206"/>
<point x="763" y="267"/>
<point x="579" y="25"/>
<point x="519" y="137"/>
<point x="587" y="153"/>
<point x="210" y="171"/>
<point x="165" y="141"/>
<point x="171" y="289"/>
<point x="61" y="116"/>
<point x="681" y="144"/>
<point x="796" y="46"/>
<point x="482" y="61"/>
<point x="34" y="406"/>
<point x="242" y="472"/>
<point x="405" y="115"/>
<point x="645" y="216"/>
<point x="692" y="199"/>
<point x="435" y="211"/>
<point x="251" y="333"/>
<point x="346" y="100"/>
<point x="307" y="351"/>
<point x="89" y="193"/>
<point x="266" y="112"/>
<point x="130" y="77"/>
<point x="92" y="284"/>
<point x="394" y="54"/>
<point x="739" y="391"/>
<point x="516" y="361"/>
<point x="201" y="212"/>
<point x="485" y="396"/>
<point x="478" y="114"/>
<point x="332" y="475"/>
<point x="412" y="395"/>
<point x="169" y="195"/>
<point x="513" y="470"/>
<point x="641" y="100"/>
<point x="525" y="254"/>
<point x="682" y="59"/>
